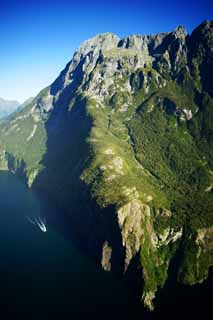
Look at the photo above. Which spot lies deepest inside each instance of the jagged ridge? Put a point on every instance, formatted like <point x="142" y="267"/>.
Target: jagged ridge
<point x="123" y="140"/>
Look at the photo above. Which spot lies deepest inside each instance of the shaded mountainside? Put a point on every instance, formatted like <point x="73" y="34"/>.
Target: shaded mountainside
<point x="123" y="141"/>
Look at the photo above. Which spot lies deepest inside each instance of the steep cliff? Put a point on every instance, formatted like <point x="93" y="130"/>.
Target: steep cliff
<point x="123" y="140"/>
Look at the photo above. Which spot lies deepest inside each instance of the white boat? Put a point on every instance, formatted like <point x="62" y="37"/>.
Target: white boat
<point x="39" y="222"/>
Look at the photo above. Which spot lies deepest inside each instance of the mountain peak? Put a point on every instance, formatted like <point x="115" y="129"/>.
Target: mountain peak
<point x="207" y="23"/>
<point x="102" y="41"/>
<point x="123" y="137"/>
<point x="205" y="27"/>
<point x="180" y="32"/>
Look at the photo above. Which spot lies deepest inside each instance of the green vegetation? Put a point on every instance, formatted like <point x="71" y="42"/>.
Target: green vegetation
<point x="116" y="134"/>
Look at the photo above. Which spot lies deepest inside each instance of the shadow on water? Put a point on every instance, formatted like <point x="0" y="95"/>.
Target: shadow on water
<point x="41" y="274"/>
<point x="67" y="155"/>
<point x="57" y="278"/>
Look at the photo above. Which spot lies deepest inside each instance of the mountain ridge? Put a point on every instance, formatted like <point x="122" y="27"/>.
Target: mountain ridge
<point x="123" y="140"/>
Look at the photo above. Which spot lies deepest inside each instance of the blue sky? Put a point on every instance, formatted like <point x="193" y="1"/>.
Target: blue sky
<point x="37" y="38"/>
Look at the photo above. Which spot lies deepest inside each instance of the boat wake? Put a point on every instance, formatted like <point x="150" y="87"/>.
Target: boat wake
<point x="39" y="222"/>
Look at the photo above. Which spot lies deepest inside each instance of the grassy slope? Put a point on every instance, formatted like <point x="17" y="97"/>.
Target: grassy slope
<point x="151" y="151"/>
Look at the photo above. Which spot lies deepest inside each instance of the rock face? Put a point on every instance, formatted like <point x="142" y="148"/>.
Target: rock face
<point x="123" y="141"/>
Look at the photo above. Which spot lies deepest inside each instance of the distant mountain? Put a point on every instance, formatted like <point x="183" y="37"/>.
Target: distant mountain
<point x="26" y="102"/>
<point x="7" y="107"/>
<point x="123" y="141"/>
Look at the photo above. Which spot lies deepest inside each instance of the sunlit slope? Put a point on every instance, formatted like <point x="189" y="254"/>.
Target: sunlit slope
<point x="123" y="141"/>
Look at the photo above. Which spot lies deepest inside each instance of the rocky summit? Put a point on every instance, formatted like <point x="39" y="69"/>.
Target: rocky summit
<point x="123" y="142"/>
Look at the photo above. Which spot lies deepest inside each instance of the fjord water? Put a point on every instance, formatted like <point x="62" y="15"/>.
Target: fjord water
<point x="42" y="274"/>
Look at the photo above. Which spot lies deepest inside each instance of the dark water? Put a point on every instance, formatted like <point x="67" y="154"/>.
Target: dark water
<point x="42" y="275"/>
